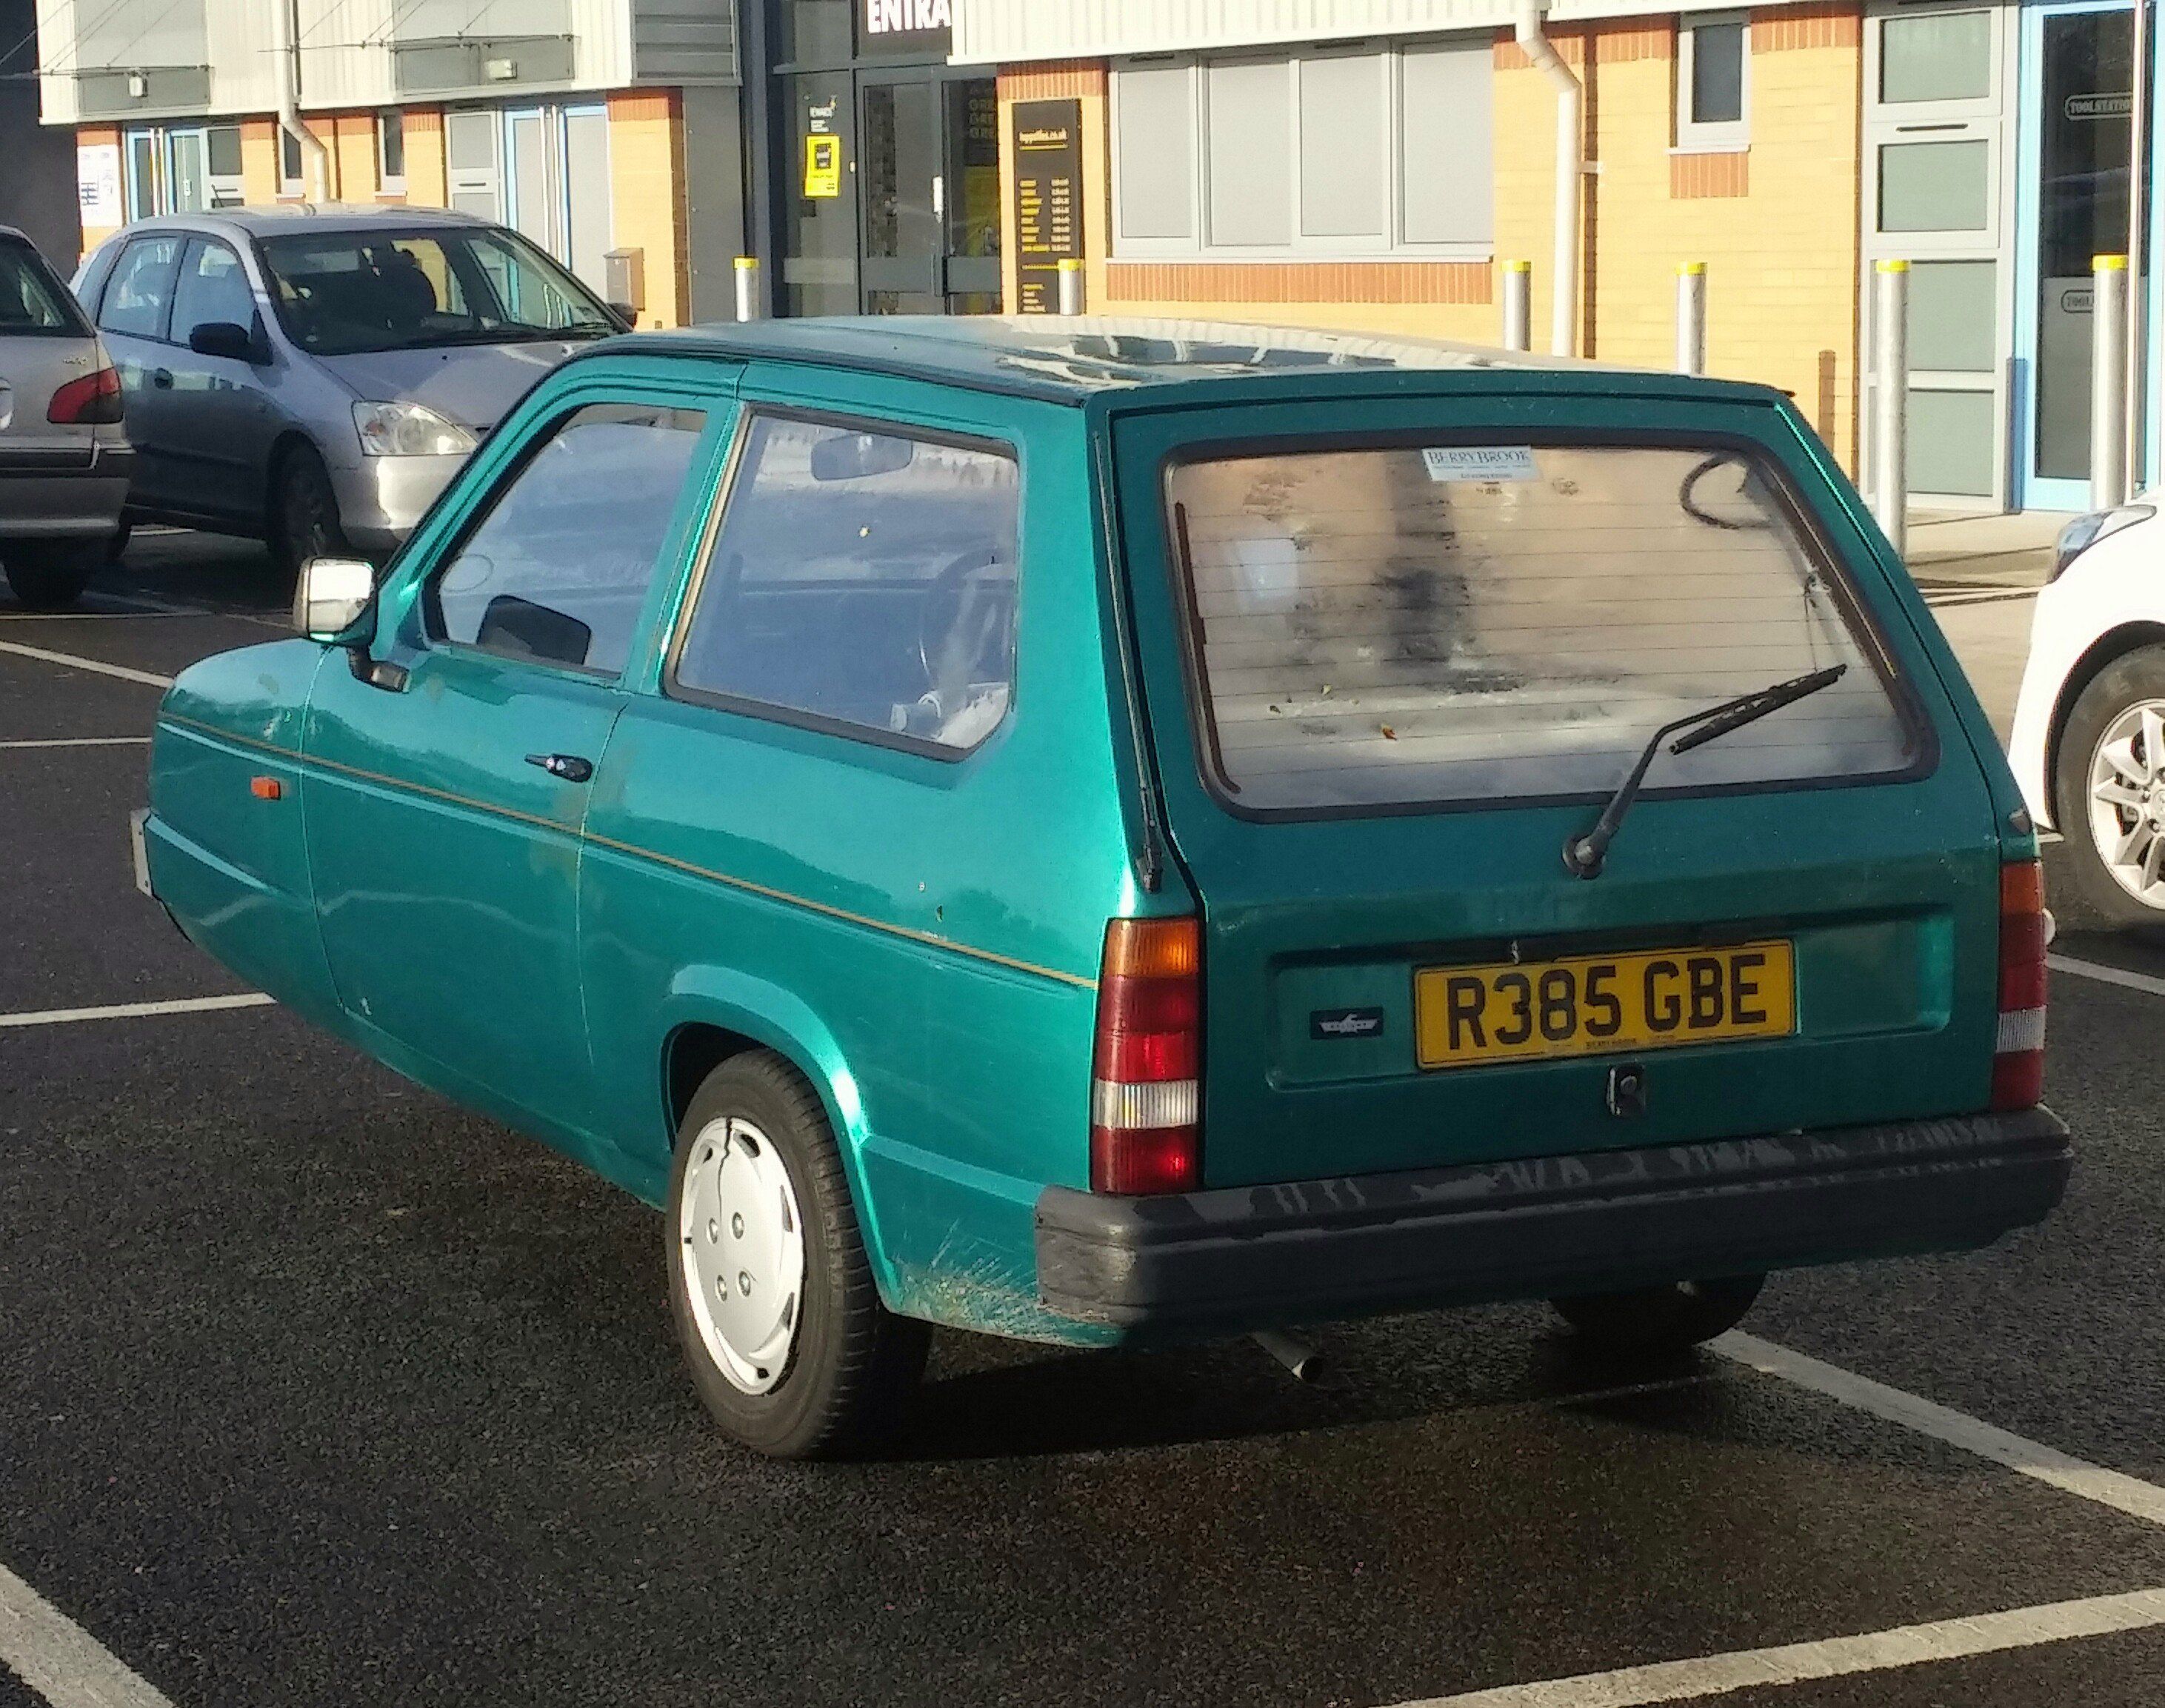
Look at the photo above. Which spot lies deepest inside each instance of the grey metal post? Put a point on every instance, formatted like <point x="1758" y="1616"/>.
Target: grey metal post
<point x="1691" y="317"/>
<point x="2108" y="380"/>
<point x="1071" y="288"/>
<point x="1517" y="304"/>
<point x="747" y="270"/>
<point x="1891" y="401"/>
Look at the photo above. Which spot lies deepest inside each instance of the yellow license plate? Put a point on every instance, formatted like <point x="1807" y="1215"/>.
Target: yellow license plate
<point x="1604" y="1005"/>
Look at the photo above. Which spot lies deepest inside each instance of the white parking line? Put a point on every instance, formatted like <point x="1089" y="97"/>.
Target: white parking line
<point x="2064" y="1471"/>
<point x="1831" y="1658"/>
<point x="2106" y="975"/>
<point x="76" y="663"/>
<point x="135" y="1010"/>
<point x="62" y="1661"/>
<point x="78" y="741"/>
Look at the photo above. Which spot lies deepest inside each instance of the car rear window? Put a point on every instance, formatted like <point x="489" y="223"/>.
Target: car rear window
<point x="31" y="300"/>
<point x="1421" y="624"/>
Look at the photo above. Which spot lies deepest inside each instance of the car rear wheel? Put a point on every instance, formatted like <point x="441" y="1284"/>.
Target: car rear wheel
<point x="305" y="514"/>
<point x="48" y="574"/>
<point x="780" y="1320"/>
<point x="2111" y="790"/>
<point x="1661" y="1319"/>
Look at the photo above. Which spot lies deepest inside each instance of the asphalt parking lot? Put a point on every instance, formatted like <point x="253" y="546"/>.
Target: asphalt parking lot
<point x="315" y="1389"/>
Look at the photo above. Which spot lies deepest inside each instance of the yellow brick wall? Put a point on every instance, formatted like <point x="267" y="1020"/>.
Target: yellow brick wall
<point x="647" y="183"/>
<point x="258" y="160"/>
<point x="1776" y="226"/>
<point x="427" y="183"/>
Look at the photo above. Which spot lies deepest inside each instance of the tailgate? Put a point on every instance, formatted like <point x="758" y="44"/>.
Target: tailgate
<point x="1396" y="658"/>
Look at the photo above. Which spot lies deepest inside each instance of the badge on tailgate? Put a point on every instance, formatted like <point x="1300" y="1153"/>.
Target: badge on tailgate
<point x="1603" y="1004"/>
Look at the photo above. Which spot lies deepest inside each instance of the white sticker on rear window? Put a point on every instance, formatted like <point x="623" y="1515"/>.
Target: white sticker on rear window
<point x="1480" y="462"/>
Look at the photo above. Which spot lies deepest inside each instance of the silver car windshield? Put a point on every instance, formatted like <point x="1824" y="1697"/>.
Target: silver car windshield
<point x="343" y="292"/>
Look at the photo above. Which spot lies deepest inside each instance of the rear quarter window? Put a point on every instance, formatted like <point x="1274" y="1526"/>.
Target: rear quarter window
<point x="31" y="299"/>
<point x="1439" y="624"/>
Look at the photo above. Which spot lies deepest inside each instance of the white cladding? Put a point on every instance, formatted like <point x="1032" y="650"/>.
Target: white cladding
<point x="347" y="46"/>
<point x="1005" y="31"/>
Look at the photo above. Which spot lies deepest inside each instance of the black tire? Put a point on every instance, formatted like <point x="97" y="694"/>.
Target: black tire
<point x="1667" y="1319"/>
<point x="50" y="575"/>
<point x="2126" y="682"/>
<point x="116" y="546"/>
<point x="305" y="512"/>
<point x="853" y="1363"/>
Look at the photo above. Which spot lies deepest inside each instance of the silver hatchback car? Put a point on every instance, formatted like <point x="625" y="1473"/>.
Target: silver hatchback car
<point x="64" y="461"/>
<point x="313" y="377"/>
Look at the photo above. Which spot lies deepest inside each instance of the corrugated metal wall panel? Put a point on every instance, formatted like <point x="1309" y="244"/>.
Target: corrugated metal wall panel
<point x="1009" y="31"/>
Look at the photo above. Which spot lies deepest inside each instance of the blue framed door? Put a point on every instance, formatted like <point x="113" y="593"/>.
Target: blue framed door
<point x="2072" y="170"/>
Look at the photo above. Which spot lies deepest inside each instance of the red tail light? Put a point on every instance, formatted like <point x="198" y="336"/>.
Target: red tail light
<point x="2018" y="1065"/>
<point x="93" y="399"/>
<point x="1145" y="1073"/>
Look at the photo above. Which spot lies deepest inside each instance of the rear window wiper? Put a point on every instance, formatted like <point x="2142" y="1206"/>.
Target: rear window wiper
<point x="1583" y="856"/>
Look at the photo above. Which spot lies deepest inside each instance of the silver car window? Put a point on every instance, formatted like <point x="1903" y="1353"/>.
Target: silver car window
<point x="141" y="288"/>
<point x="212" y="287"/>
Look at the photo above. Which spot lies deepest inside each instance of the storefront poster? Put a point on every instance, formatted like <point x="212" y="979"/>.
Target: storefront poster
<point x="823" y="167"/>
<point x="98" y="183"/>
<point x="1048" y="197"/>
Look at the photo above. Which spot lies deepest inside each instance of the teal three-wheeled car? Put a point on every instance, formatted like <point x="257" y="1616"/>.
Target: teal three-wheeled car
<point x="1090" y="830"/>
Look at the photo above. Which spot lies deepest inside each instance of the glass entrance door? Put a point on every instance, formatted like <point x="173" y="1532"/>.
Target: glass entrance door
<point x="929" y="166"/>
<point x="2078" y="105"/>
<point x="903" y="190"/>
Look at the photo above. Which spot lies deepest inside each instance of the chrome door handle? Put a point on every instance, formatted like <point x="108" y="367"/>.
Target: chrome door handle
<point x="568" y="765"/>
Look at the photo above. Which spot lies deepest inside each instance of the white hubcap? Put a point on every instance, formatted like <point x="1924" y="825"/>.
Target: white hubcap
<point x="744" y="1252"/>
<point x="2127" y="801"/>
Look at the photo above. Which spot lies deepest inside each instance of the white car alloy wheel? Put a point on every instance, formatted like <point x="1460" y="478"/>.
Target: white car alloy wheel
<point x="744" y="1253"/>
<point x="2127" y="801"/>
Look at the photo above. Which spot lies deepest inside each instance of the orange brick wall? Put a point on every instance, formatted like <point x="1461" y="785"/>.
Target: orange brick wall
<point x="1776" y="223"/>
<point x="646" y="184"/>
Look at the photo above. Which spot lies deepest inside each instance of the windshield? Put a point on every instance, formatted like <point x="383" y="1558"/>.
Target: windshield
<point x="1453" y="623"/>
<point x="341" y="292"/>
<point x="30" y="301"/>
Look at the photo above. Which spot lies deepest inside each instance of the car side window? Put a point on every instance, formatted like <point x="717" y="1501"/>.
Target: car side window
<point x="863" y="577"/>
<point x="558" y="567"/>
<point x="212" y="286"/>
<point x="141" y="287"/>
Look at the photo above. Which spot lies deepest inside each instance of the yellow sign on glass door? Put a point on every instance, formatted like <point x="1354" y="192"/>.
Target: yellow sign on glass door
<point x="823" y="166"/>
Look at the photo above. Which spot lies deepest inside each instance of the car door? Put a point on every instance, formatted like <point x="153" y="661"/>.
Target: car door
<point x="218" y="453"/>
<point x="133" y="312"/>
<point x="447" y="792"/>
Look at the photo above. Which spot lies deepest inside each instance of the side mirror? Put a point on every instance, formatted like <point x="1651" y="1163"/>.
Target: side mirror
<point x="626" y="315"/>
<point x="332" y="594"/>
<point x="224" y="338"/>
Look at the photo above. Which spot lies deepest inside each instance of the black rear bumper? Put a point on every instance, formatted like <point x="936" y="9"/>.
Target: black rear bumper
<point x="1250" y="1257"/>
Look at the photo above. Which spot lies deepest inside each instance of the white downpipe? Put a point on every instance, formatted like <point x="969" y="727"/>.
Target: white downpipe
<point x="1571" y="169"/>
<point x="287" y="56"/>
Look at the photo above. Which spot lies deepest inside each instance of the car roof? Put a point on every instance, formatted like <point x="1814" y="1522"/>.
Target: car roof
<point x="271" y="222"/>
<point x="1074" y="359"/>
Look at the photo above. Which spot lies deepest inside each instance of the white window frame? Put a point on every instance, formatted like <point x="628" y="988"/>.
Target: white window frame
<point x="1730" y="136"/>
<point x="1390" y="245"/>
<point x="228" y="190"/>
<point x="387" y="184"/>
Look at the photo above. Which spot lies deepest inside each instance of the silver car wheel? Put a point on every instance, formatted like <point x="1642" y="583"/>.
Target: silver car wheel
<point x="2127" y="801"/>
<point x="744" y="1252"/>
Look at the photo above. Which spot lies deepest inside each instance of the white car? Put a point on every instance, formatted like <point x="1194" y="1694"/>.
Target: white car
<point x="2089" y="745"/>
